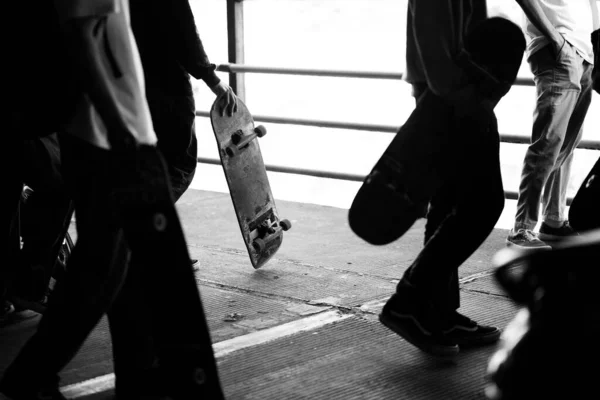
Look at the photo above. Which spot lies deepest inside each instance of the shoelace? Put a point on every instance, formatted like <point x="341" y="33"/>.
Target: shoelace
<point x="530" y="235"/>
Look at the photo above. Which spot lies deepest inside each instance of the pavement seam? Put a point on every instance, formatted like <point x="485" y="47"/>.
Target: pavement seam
<point x="355" y="310"/>
<point x="229" y="250"/>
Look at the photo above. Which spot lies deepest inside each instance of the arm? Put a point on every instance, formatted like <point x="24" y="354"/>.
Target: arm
<point x="438" y="39"/>
<point x="179" y="24"/>
<point x="538" y="18"/>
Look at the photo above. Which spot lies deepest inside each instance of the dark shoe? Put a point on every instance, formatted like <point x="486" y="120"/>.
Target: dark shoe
<point x="25" y="391"/>
<point x="467" y="333"/>
<point x="23" y="304"/>
<point x="526" y="239"/>
<point x="195" y="265"/>
<point x="419" y="325"/>
<point x="549" y="233"/>
<point x="6" y="310"/>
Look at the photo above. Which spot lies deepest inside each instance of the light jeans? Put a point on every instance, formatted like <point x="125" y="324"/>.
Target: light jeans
<point x="564" y="94"/>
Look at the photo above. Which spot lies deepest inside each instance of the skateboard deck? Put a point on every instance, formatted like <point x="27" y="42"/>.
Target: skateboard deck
<point x="261" y="227"/>
<point x="583" y="213"/>
<point x="155" y="237"/>
<point x="412" y="168"/>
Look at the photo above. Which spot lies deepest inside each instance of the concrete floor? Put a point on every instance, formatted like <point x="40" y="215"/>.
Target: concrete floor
<point x="305" y="325"/>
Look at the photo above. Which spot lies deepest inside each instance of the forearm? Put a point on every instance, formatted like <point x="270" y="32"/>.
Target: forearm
<point x="437" y="32"/>
<point x="538" y="18"/>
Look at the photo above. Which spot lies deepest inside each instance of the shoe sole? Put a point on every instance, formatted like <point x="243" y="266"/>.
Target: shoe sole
<point x="23" y="305"/>
<point x="435" y="350"/>
<point x="547" y="237"/>
<point x="528" y="248"/>
<point x="483" y="340"/>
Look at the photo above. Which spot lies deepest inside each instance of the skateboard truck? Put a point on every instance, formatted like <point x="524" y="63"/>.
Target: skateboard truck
<point x="265" y="229"/>
<point x="239" y="140"/>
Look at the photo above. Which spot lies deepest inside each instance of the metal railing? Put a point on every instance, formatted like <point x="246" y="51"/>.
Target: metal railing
<point x="237" y="69"/>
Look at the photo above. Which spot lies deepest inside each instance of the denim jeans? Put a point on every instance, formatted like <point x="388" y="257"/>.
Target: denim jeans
<point x="564" y="94"/>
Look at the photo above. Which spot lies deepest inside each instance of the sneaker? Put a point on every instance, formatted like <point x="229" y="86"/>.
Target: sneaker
<point x="6" y="310"/>
<point x="467" y="333"/>
<point x="420" y="327"/>
<point x="549" y="233"/>
<point x="195" y="265"/>
<point x="23" y="303"/>
<point x="525" y="239"/>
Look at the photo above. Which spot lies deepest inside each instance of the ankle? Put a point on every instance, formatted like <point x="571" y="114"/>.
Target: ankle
<point x="554" y="224"/>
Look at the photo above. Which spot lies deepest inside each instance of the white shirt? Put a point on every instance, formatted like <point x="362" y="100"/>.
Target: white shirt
<point x="575" y="20"/>
<point x="128" y="86"/>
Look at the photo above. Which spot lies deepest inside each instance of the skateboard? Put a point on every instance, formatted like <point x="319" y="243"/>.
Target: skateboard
<point x="261" y="227"/>
<point x="144" y="204"/>
<point x="414" y="166"/>
<point x="583" y="213"/>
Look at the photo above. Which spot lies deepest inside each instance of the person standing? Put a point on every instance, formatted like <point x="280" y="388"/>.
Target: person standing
<point x="561" y="57"/>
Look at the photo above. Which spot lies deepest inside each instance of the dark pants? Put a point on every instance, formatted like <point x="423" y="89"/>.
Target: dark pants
<point x="116" y="268"/>
<point x="12" y="186"/>
<point x="461" y="216"/>
<point x="42" y="221"/>
<point x="97" y="270"/>
<point x="44" y="218"/>
<point x="173" y="118"/>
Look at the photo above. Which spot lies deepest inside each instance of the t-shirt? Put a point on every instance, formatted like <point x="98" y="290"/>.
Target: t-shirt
<point x="574" y="19"/>
<point x="118" y="49"/>
<point x="435" y="32"/>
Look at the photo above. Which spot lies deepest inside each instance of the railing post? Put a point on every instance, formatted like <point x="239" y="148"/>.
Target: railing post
<point x="235" y="38"/>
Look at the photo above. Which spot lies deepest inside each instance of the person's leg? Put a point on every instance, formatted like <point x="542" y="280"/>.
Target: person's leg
<point x="557" y="96"/>
<point x="43" y="217"/>
<point x="10" y="243"/>
<point x="423" y="310"/>
<point x="554" y="200"/>
<point x="95" y="272"/>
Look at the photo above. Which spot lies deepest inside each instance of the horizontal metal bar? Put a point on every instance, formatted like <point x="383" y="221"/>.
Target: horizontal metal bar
<point x="298" y="171"/>
<point x="510" y="195"/>
<point x="239" y="68"/>
<point x="505" y="138"/>
<point x="318" y="123"/>
<point x="520" y="139"/>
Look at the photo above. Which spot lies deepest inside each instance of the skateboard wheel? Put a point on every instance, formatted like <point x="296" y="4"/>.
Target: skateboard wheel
<point x="285" y="224"/>
<point x="260" y="131"/>
<point x="259" y="245"/>
<point x="199" y="376"/>
<point x="160" y="222"/>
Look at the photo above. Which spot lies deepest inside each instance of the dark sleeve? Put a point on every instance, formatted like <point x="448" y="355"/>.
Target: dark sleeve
<point x="179" y="24"/>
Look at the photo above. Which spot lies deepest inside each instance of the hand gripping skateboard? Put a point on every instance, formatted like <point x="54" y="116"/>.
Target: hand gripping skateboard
<point x="246" y="176"/>
<point x="155" y="237"/>
<point x="400" y="185"/>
